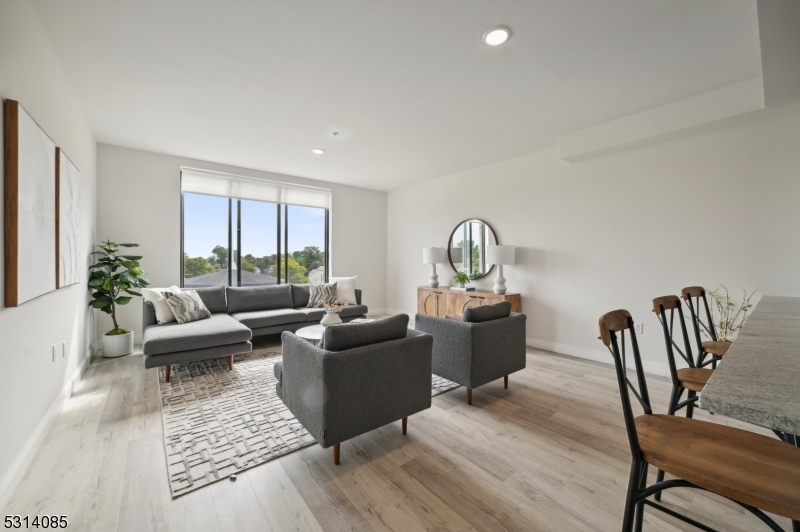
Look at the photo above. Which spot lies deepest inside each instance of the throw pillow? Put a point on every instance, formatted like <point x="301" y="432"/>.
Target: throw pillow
<point x="321" y="292"/>
<point x="479" y="314"/>
<point x="352" y="335"/>
<point x="346" y="289"/>
<point x="156" y="297"/>
<point x="187" y="306"/>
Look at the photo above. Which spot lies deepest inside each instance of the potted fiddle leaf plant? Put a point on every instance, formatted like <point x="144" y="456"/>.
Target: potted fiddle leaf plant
<point x="113" y="281"/>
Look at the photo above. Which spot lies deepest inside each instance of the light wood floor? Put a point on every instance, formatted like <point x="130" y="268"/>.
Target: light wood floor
<point x="549" y="453"/>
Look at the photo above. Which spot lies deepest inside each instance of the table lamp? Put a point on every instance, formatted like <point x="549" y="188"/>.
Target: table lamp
<point x="433" y="256"/>
<point x="500" y="255"/>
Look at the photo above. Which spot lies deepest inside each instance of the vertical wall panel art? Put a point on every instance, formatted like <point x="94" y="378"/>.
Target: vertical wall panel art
<point x="30" y="207"/>
<point x="68" y="189"/>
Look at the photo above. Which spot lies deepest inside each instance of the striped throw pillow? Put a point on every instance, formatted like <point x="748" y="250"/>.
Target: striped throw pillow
<point x="187" y="306"/>
<point x="321" y="292"/>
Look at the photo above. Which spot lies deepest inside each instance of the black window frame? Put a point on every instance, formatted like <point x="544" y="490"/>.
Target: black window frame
<point x="282" y="252"/>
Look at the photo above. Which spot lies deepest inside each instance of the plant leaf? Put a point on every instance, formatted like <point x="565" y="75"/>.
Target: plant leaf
<point x="123" y="300"/>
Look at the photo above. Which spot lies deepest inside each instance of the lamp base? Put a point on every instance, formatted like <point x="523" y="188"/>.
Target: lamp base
<point x="433" y="282"/>
<point x="499" y="281"/>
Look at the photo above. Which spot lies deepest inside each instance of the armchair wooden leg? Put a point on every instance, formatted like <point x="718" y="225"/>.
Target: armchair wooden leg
<point x="168" y="368"/>
<point x="505" y="382"/>
<point x="336" y="454"/>
<point x="405" y="425"/>
<point x="469" y="396"/>
<point x="230" y="362"/>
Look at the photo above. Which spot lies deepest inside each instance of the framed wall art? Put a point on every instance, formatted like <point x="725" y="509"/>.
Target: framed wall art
<point x="30" y="207"/>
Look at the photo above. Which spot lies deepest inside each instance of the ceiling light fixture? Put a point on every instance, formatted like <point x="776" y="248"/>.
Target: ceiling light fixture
<point x="496" y="36"/>
<point x="317" y="151"/>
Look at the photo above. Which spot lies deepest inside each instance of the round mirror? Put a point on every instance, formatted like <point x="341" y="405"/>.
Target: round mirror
<point x="466" y="249"/>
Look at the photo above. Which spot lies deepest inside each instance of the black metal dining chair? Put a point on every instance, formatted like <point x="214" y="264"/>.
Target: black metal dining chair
<point x="694" y="296"/>
<point x="756" y="472"/>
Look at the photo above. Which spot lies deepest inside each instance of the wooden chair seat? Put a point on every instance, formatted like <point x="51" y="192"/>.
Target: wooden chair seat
<point x="744" y="466"/>
<point x="694" y="378"/>
<point x="716" y="348"/>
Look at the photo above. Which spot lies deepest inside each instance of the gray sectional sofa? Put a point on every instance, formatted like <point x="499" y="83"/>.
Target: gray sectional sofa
<point x="237" y="314"/>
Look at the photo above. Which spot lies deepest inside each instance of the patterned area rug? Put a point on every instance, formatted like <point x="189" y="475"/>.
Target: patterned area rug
<point x="219" y="422"/>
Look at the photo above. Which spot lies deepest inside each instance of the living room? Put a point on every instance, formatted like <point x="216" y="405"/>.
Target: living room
<point x="471" y="190"/>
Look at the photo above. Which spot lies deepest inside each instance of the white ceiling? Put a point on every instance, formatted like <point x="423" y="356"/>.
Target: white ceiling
<point x="408" y="84"/>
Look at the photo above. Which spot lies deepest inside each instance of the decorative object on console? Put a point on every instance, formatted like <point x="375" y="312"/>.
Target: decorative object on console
<point x="345" y="289"/>
<point x="332" y="311"/>
<point x="467" y="247"/>
<point x="107" y="284"/>
<point x="321" y="292"/>
<point x="30" y="208"/>
<point x="187" y="306"/>
<point x="433" y="256"/>
<point x="68" y="195"/>
<point x="500" y="255"/>
<point x="461" y="279"/>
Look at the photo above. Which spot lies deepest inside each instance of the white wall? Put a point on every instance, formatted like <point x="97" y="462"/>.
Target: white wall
<point x="138" y="200"/>
<point x="31" y="384"/>
<point x="613" y="232"/>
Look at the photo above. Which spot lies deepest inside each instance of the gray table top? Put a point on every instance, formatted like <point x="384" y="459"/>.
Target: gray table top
<point x="758" y="380"/>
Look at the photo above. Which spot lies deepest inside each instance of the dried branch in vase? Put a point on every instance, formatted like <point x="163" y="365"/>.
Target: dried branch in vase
<point x="728" y="316"/>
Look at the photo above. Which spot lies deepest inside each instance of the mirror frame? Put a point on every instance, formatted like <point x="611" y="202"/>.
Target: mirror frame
<point x="450" y="243"/>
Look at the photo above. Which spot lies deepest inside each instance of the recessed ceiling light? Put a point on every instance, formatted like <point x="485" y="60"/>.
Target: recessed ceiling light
<point x="317" y="151"/>
<point x="496" y="36"/>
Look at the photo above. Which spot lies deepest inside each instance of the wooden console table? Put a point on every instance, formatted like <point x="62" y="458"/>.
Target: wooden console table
<point x="443" y="301"/>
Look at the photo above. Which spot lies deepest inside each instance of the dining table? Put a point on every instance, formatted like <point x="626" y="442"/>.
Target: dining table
<point x="758" y="380"/>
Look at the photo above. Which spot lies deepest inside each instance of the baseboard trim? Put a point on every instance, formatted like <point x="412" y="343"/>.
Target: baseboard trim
<point x="652" y="368"/>
<point x="22" y="462"/>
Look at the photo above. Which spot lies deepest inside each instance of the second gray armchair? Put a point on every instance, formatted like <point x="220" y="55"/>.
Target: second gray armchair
<point x="487" y="343"/>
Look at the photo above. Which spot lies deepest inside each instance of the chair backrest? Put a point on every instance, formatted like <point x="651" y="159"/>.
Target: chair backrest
<point x="692" y="296"/>
<point x="666" y="307"/>
<point x="613" y="328"/>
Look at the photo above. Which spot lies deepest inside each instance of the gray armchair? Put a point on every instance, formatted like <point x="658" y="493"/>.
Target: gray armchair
<point x="481" y="347"/>
<point x="365" y="376"/>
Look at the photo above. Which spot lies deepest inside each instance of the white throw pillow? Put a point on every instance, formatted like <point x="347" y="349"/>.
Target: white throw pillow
<point x="155" y="296"/>
<point x="345" y="289"/>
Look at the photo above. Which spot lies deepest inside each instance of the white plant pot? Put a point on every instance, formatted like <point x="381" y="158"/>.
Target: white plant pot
<point x="117" y="345"/>
<point x="460" y="285"/>
<point x="330" y="318"/>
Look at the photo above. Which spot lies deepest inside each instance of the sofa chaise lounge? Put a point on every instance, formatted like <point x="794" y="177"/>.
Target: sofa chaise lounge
<point x="237" y="314"/>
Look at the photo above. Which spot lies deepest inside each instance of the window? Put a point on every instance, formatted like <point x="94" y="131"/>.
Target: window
<point x="246" y="240"/>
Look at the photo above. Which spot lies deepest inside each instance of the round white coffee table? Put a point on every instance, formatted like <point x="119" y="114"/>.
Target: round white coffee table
<point x="312" y="333"/>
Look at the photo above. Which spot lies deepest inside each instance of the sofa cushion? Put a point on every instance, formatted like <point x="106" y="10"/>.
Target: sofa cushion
<point x="277" y="369"/>
<point x="352" y="335"/>
<point x="269" y="318"/>
<point x="213" y="297"/>
<point x="250" y="298"/>
<point x="300" y="293"/>
<point x="348" y="311"/>
<point x="312" y="314"/>
<point x="480" y="313"/>
<point x="219" y="329"/>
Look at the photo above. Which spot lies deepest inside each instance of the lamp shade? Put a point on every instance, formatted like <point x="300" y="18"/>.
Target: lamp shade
<point x="457" y="255"/>
<point x="500" y="254"/>
<point x="434" y="256"/>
